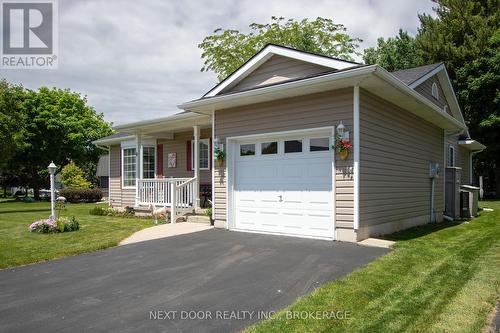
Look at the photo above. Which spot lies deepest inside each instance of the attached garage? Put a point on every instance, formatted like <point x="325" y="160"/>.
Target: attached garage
<point x="281" y="183"/>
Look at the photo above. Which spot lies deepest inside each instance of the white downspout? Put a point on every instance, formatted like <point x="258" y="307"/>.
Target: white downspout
<point x="432" y="214"/>
<point x="356" y="156"/>
<point x="213" y="165"/>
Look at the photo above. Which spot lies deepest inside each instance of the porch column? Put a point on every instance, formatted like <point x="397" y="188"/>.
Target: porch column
<point x="138" y="165"/>
<point x="196" y="165"/>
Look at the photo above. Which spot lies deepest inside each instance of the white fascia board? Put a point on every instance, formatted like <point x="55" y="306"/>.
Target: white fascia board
<point x="444" y="80"/>
<point x="108" y="142"/>
<point x="427" y="76"/>
<point x="267" y="53"/>
<point x="208" y="103"/>
<point x="156" y="121"/>
<point x="472" y="145"/>
<point x="382" y="73"/>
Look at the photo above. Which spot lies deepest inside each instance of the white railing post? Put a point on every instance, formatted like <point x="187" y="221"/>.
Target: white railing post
<point x="138" y="163"/>
<point x="196" y="164"/>
<point x="173" y="207"/>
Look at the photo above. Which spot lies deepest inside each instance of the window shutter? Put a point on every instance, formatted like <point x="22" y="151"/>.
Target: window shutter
<point x="159" y="160"/>
<point x="189" y="162"/>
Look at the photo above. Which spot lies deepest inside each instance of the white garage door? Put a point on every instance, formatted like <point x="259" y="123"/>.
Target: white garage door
<point x="284" y="185"/>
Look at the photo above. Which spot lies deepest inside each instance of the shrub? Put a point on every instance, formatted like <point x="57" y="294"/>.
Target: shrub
<point x="72" y="177"/>
<point x="44" y="226"/>
<point x="52" y="226"/>
<point x="75" y="195"/>
<point x="71" y="224"/>
<point x="103" y="211"/>
<point x="208" y="212"/>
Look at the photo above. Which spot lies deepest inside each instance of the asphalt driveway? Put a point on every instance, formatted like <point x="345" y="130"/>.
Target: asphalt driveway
<point x="217" y="277"/>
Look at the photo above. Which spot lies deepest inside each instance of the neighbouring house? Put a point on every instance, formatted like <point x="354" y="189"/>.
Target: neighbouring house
<point x="102" y="174"/>
<point x="277" y="119"/>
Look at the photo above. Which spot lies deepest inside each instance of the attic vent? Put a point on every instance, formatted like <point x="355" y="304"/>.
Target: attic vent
<point x="435" y="92"/>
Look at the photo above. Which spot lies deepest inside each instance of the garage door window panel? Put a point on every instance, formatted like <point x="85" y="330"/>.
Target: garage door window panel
<point x="319" y="144"/>
<point x="293" y="146"/>
<point x="269" y="148"/>
<point x="247" y="149"/>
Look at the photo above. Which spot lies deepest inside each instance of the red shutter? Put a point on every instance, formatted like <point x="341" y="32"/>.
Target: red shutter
<point x="159" y="160"/>
<point x="189" y="162"/>
<point x="210" y="153"/>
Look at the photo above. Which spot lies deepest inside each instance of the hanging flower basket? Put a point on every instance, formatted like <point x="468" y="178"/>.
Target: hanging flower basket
<point x="344" y="154"/>
<point x="343" y="146"/>
<point x="219" y="156"/>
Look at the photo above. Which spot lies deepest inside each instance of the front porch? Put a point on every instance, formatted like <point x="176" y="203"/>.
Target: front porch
<point x="165" y="163"/>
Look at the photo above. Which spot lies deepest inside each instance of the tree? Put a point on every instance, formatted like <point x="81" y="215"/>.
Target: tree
<point x="465" y="35"/>
<point x="395" y="53"/>
<point x="226" y="50"/>
<point x="72" y="176"/>
<point x="61" y="127"/>
<point x="11" y="121"/>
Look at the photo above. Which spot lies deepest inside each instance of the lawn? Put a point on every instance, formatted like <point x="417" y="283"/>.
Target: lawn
<point x="439" y="278"/>
<point x="18" y="246"/>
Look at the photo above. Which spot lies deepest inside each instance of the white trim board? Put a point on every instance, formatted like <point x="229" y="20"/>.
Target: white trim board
<point x="265" y="54"/>
<point x="356" y="155"/>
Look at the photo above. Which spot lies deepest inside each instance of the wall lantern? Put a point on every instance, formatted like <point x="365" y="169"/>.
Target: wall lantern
<point x="341" y="130"/>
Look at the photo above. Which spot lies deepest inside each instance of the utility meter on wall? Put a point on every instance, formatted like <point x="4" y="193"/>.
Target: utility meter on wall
<point x="434" y="170"/>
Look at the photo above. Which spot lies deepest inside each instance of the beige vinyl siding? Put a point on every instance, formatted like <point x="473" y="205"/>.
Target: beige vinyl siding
<point x="395" y="150"/>
<point x="278" y="69"/>
<point x="115" y="187"/>
<point x="179" y="146"/>
<point x="425" y="88"/>
<point x="119" y="197"/>
<point x="303" y="112"/>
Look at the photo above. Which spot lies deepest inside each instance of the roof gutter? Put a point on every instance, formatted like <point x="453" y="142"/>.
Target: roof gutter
<point x="107" y="142"/>
<point x="472" y="145"/>
<point x="154" y="122"/>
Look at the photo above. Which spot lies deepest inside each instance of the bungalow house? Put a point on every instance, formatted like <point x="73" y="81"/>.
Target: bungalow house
<point x="277" y="118"/>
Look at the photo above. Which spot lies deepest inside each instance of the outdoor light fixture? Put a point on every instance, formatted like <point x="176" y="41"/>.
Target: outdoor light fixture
<point x="52" y="168"/>
<point x="341" y="132"/>
<point x="52" y="171"/>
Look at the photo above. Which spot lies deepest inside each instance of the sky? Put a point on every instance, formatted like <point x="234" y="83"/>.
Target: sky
<point x="138" y="60"/>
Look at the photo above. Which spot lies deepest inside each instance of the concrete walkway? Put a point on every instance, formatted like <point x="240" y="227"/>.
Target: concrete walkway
<point x="165" y="230"/>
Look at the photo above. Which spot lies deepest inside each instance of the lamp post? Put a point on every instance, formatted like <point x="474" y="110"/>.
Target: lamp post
<point x="52" y="171"/>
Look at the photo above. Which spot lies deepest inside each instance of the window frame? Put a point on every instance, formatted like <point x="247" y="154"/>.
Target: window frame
<point x="451" y="148"/>
<point x="435" y="90"/>
<point x="123" y="167"/>
<point x="207" y="140"/>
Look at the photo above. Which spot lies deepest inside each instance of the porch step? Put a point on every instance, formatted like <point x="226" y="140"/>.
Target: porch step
<point x="197" y="218"/>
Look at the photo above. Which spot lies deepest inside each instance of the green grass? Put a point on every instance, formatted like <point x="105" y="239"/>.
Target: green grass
<point x="18" y="246"/>
<point x="439" y="278"/>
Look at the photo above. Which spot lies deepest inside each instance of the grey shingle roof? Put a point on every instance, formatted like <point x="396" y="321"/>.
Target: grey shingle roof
<point x="408" y="76"/>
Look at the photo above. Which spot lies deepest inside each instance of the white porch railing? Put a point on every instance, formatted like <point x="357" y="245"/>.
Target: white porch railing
<point x="179" y="194"/>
